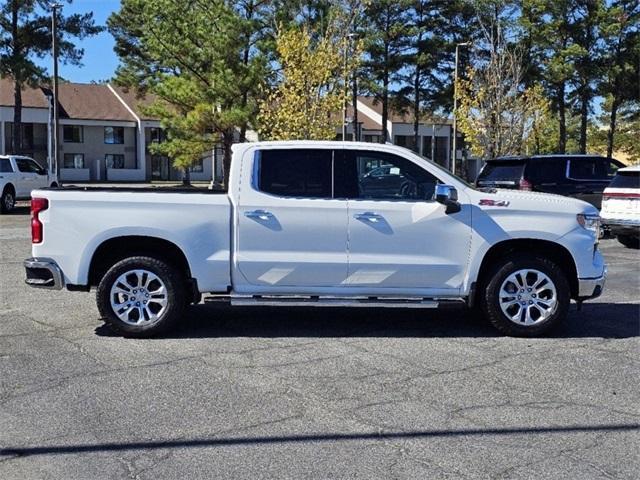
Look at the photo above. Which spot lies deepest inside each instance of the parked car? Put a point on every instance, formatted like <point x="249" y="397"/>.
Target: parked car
<point x="579" y="176"/>
<point x="18" y="177"/>
<point x="621" y="206"/>
<point x="296" y="229"/>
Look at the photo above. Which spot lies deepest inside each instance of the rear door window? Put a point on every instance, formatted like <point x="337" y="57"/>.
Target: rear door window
<point x="546" y="170"/>
<point x="5" y="166"/>
<point x="302" y="173"/>
<point x="501" y="172"/>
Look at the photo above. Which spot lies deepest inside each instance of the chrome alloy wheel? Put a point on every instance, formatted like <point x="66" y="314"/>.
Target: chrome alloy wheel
<point x="528" y="297"/>
<point x="139" y="297"/>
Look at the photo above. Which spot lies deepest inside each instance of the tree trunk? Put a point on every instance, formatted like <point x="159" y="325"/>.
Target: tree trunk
<point x="227" y="141"/>
<point x="584" y="118"/>
<point x="385" y="93"/>
<point x="186" y="176"/>
<point x="385" y="107"/>
<point x="16" y="141"/>
<point x="416" y="110"/>
<point x="612" y="126"/>
<point x="562" y="121"/>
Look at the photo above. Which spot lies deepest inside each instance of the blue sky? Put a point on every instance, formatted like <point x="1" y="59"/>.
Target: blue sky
<point x="100" y="61"/>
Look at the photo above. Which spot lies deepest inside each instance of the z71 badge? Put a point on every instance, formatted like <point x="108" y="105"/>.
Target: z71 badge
<point x="486" y="202"/>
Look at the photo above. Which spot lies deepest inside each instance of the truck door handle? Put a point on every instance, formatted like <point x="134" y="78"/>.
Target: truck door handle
<point x="259" y="214"/>
<point x="369" y="217"/>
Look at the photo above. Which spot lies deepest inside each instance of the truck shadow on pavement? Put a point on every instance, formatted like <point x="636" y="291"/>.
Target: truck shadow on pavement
<point x="600" y="320"/>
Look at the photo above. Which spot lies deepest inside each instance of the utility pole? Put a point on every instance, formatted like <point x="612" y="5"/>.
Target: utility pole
<point x="56" y="118"/>
<point x="455" y="108"/>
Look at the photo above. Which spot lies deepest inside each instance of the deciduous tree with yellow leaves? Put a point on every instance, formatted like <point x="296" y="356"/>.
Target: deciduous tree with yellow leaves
<point x="304" y="105"/>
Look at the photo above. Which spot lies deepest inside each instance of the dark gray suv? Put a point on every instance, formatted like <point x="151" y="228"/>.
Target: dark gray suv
<point x="580" y="176"/>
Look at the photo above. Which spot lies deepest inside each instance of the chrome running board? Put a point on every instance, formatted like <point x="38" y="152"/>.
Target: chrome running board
<point x="325" y="301"/>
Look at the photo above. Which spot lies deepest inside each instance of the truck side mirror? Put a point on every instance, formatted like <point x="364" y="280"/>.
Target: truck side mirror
<point x="448" y="196"/>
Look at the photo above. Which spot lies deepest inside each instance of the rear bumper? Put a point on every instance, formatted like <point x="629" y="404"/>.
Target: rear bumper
<point x="43" y="273"/>
<point x="619" y="226"/>
<point x="589" y="288"/>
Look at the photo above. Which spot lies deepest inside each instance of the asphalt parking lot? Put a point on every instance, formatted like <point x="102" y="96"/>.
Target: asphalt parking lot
<point x="299" y="393"/>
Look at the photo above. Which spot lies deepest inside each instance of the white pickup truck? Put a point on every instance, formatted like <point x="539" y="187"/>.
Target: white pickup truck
<point x="320" y="224"/>
<point x="18" y="177"/>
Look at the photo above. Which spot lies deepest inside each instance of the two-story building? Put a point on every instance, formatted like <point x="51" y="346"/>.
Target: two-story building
<point x="435" y="134"/>
<point x="104" y="134"/>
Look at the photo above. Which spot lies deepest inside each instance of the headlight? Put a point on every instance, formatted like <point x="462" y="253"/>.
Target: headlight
<point x="590" y="222"/>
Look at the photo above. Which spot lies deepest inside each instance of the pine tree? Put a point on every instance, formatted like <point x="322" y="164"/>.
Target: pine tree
<point x="196" y="57"/>
<point x="620" y="79"/>
<point x="385" y="46"/>
<point x="25" y="34"/>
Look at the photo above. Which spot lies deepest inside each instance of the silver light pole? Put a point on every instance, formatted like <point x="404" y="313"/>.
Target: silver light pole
<point x="56" y="120"/>
<point x="455" y="108"/>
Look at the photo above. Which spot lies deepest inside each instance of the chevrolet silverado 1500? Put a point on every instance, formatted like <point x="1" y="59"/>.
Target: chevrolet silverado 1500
<point x="320" y="224"/>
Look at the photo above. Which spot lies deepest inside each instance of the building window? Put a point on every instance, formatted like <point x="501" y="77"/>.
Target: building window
<point x="114" y="160"/>
<point x="407" y="141"/>
<point x="339" y="137"/>
<point x="26" y="140"/>
<point x="372" y="138"/>
<point x="198" y="167"/>
<point x="114" y="135"/>
<point x="72" y="134"/>
<point x="156" y="135"/>
<point x="73" y="160"/>
<point x="426" y="147"/>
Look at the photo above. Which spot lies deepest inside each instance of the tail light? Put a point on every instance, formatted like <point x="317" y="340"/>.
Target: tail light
<point x="620" y="195"/>
<point x="37" y="205"/>
<point x="525" y="184"/>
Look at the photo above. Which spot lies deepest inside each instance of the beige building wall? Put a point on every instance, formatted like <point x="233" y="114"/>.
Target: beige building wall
<point x="95" y="149"/>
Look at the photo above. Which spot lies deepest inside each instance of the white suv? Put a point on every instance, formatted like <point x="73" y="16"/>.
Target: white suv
<point x="621" y="206"/>
<point x="18" y="177"/>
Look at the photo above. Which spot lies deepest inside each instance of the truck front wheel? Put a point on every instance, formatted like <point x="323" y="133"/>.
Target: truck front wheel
<point x="141" y="296"/>
<point x="526" y="296"/>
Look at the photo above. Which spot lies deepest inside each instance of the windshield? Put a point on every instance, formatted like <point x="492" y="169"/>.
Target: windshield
<point x="441" y="168"/>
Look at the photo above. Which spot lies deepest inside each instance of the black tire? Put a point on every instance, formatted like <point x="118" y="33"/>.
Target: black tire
<point x="8" y="200"/>
<point x="629" y="241"/>
<point x="174" y="284"/>
<point x="490" y="296"/>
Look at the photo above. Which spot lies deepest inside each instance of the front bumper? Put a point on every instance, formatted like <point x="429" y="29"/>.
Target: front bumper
<point x="589" y="288"/>
<point x="43" y="273"/>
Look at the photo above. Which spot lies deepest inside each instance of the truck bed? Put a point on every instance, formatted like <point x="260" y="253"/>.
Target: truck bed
<point x="79" y="219"/>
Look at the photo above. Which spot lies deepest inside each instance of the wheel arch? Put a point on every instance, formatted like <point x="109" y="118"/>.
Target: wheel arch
<point x="9" y="186"/>
<point x="114" y="249"/>
<point x="546" y="248"/>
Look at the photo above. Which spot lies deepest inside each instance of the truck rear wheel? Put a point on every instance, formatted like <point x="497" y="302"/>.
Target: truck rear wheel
<point x="141" y="297"/>
<point x="526" y="296"/>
